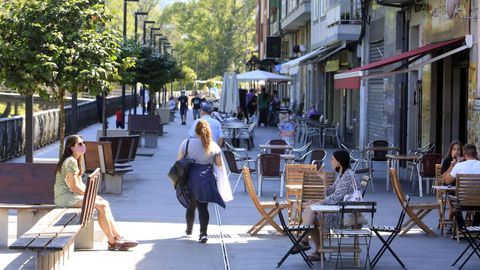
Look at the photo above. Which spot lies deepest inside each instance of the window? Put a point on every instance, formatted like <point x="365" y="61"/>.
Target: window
<point x="323" y="8"/>
<point x="315" y="4"/>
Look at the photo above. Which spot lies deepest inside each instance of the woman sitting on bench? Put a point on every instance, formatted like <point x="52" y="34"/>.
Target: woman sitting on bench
<point x="69" y="190"/>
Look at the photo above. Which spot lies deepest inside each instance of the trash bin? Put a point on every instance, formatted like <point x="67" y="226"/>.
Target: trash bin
<point x="172" y="116"/>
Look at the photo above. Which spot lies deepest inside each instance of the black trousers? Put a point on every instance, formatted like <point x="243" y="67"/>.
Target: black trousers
<point x="203" y="215"/>
<point x="263" y="117"/>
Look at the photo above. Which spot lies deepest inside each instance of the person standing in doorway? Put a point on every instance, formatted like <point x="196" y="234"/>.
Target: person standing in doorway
<point x="196" y="105"/>
<point x="263" y="100"/>
<point x="183" y="100"/>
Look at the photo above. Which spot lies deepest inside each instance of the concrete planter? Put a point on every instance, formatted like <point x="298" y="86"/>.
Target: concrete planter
<point x="164" y="114"/>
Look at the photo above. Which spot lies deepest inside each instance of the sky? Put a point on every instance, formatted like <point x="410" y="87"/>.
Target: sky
<point x="164" y="3"/>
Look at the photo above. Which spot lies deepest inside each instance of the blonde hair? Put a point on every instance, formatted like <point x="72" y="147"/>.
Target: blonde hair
<point x="204" y="133"/>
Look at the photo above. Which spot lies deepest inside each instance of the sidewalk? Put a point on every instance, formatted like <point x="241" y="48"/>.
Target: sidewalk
<point x="148" y="211"/>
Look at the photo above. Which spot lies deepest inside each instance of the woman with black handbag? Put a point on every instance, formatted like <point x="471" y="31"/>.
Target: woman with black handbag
<point x="202" y="182"/>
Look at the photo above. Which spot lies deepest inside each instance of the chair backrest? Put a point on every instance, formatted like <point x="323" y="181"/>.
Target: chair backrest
<point x="364" y="184"/>
<point x="313" y="188"/>
<point x="277" y="142"/>
<point x="402" y="199"/>
<point x="229" y="146"/>
<point x="428" y="148"/>
<point x="88" y="204"/>
<point x="317" y="157"/>
<point x="231" y="162"/>
<point x="247" y="178"/>
<point x="379" y="155"/>
<point x="270" y="165"/>
<point x="468" y="190"/>
<point x="428" y="164"/>
<point x="329" y="179"/>
<point x="294" y="173"/>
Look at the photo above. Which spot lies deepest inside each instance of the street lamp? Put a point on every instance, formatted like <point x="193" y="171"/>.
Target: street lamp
<point x="145" y="30"/>
<point x="160" y="43"/>
<point x="151" y="34"/>
<point x="155" y="41"/>
<point x="138" y="13"/>
<point x="124" y="39"/>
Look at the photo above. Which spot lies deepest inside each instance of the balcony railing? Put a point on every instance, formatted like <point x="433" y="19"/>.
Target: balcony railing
<point x="344" y="12"/>
<point x="289" y="6"/>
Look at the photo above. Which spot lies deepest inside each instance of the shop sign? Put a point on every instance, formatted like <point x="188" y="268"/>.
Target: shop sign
<point x="332" y="65"/>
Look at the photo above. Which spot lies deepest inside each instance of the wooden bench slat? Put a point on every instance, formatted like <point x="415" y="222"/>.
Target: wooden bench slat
<point x="27" y="206"/>
<point x="66" y="236"/>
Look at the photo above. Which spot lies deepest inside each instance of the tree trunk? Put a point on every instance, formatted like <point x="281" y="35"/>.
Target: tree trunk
<point x="61" y="127"/>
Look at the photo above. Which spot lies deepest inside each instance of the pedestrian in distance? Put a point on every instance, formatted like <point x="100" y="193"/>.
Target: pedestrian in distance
<point x="183" y="100"/>
<point x="196" y="105"/>
<point x="69" y="190"/>
<point x="202" y="183"/>
<point x="119" y="118"/>
<point x="215" y="125"/>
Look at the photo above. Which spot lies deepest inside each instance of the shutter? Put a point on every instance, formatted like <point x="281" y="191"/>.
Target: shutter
<point x="376" y="96"/>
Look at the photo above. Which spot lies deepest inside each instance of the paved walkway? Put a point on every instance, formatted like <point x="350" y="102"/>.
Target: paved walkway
<point x="149" y="212"/>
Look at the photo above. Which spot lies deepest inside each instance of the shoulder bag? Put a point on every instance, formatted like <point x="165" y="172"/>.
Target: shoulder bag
<point x="179" y="172"/>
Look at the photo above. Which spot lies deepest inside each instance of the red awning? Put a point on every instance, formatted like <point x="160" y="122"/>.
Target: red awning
<point x="351" y="79"/>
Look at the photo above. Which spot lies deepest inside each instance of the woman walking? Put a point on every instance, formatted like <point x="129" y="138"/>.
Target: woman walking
<point x="69" y="190"/>
<point x="202" y="183"/>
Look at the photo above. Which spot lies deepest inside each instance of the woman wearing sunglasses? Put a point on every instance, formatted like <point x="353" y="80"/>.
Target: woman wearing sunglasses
<point x="69" y="190"/>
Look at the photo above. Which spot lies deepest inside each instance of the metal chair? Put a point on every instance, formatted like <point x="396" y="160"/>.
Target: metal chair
<point x="427" y="171"/>
<point x="331" y="132"/>
<point x="302" y="230"/>
<point x="300" y="151"/>
<point x="393" y="231"/>
<point x="378" y="155"/>
<point x="356" y="158"/>
<point x="317" y="156"/>
<point x="269" y="167"/>
<point x="277" y="142"/>
<point x="232" y="166"/>
<point x="411" y="165"/>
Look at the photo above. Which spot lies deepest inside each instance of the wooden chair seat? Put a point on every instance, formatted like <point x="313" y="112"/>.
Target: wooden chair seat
<point x="423" y="205"/>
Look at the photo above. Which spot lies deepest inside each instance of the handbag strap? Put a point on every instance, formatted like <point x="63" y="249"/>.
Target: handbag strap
<point x="355" y="188"/>
<point x="186" y="148"/>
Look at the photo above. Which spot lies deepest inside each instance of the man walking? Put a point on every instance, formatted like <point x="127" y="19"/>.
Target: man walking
<point x="183" y="100"/>
<point x="196" y="105"/>
<point x="215" y="125"/>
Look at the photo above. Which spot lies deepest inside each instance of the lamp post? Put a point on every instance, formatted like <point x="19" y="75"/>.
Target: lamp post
<point x="124" y="40"/>
<point x="138" y="13"/>
<point x="145" y="30"/>
<point x="160" y="44"/>
<point x="160" y="35"/>
<point x="153" y="29"/>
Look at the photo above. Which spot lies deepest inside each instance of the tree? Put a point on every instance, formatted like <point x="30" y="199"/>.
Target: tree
<point x="156" y="70"/>
<point x="52" y="47"/>
<point x="211" y="44"/>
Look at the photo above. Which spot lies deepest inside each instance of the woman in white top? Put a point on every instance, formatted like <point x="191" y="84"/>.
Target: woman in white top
<point x="202" y="183"/>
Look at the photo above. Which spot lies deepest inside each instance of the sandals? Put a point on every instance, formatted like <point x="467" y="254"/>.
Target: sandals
<point x="122" y="244"/>
<point x="315" y="257"/>
<point x="303" y="246"/>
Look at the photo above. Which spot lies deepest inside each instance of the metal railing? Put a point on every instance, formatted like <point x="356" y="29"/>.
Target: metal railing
<point x="289" y="6"/>
<point x="344" y="12"/>
<point x="12" y="130"/>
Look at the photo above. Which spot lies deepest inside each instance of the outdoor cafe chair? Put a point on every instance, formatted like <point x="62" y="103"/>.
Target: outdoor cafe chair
<point x="317" y="156"/>
<point x="415" y="211"/>
<point x="427" y="171"/>
<point x="466" y="199"/>
<point x="277" y="142"/>
<point x="313" y="190"/>
<point x="300" y="151"/>
<point x="267" y="209"/>
<point x="331" y="132"/>
<point x="393" y="232"/>
<point x="233" y="168"/>
<point x="294" y="175"/>
<point x="246" y="134"/>
<point x="300" y="230"/>
<point x="269" y="167"/>
<point x="411" y="164"/>
<point x="442" y="200"/>
<point x="356" y="158"/>
<point x="241" y="154"/>
<point x="355" y="231"/>
<point x="378" y="155"/>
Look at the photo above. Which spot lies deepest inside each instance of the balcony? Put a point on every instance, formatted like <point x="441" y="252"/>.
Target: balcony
<point x="343" y="21"/>
<point x="274" y="28"/>
<point x="296" y="13"/>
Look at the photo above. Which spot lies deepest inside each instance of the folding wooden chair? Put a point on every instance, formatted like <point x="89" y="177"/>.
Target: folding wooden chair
<point x="313" y="190"/>
<point x="393" y="231"/>
<point x="294" y="177"/>
<point x="302" y="230"/>
<point x="415" y="211"/>
<point x="267" y="209"/>
<point x="364" y="184"/>
<point x="329" y="179"/>
<point x="466" y="199"/>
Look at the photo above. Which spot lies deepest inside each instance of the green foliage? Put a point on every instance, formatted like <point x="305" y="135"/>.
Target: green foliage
<point x="211" y="36"/>
<point x="56" y="44"/>
<point x="129" y="55"/>
<point x="156" y="70"/>
<point x="114" y="8"/>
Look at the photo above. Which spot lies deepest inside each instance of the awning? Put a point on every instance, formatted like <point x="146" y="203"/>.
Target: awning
<point x="351" y="79"/>
<point x="291" y="67"/>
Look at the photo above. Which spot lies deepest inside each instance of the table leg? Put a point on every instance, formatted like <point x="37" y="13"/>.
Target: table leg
<point x="420" y="185"/>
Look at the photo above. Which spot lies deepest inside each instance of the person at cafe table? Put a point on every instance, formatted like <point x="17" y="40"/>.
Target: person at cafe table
<point x="471" y="165"/>
<point x="342" y="186"/>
